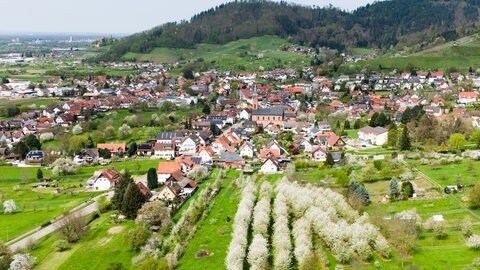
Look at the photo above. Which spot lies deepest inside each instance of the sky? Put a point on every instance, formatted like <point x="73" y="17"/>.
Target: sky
<point x="112" y="16"/>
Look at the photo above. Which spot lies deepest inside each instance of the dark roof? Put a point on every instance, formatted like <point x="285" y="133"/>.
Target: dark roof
<point x="269" y="111"/>
<point x="230" y="157"/>
<point x="168" y="135"/>
<point x="35" y="154"/>
<point x="144" y="147"/>
<point x="248" y="124"/>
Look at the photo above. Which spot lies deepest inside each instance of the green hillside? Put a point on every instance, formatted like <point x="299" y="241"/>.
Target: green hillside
<point x="382" y="24"/>
<point x="244" y="54"/>
<point x="454" y="55"/>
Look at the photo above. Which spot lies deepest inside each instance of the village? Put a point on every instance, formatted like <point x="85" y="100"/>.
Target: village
<point x="179" y="134"/>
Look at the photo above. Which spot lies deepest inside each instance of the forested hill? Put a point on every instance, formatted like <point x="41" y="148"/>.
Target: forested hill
<point x="381" y="25"/>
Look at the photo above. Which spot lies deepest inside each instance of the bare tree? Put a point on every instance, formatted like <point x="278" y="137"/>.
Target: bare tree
<point x="72" y="227"/>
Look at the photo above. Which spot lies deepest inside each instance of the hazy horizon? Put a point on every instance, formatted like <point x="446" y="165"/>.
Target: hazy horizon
<point x="120" y="17"/>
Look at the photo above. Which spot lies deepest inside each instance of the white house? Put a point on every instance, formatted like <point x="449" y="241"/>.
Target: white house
<point x="319" y="154"/>
<point x="164" y="150"/>
<point x="467" y="98"/>
<point x="270" y="166"/>
<point x="244" y="115"/>
<point x="246" y="150"/>
<point x="373" y="135"/>
<point x="188" y="147"/>
<point x="206" y="154"/>
<point x="103" y="180"/>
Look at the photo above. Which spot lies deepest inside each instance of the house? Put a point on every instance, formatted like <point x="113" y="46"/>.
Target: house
<point x="373" y="135"/>
<point x="206" y="154"/>
<point x="164" y="150"/>
<point x="244" y="114"/>
<point x="221" y="144"/>
<point x="103" y="180"/>
<point x="319" y="154"/>
<point x="270" y="165"/>
<point x="144" y="149"/>
<point x="187" y="163"/>
<point x="229" y="159"/>
<point x="188" y="146"/>
<point x="87" y="156"/>
<point x="34" y="158"/>
<point x="467" y="98"/>
<point x="166" y="169"/>
<point x="114" y="148"/>
<point x="246" y="150"/>
<point x="250" y="126"/>
<point x="273" y="148"/>
<point x="169" y="192"/>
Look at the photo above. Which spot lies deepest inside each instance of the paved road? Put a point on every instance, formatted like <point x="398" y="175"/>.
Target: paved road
<point x="38" y="233"/>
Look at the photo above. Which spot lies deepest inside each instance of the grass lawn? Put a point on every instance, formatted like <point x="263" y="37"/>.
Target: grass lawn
<point x="97" y="250"/>
<point x="35" y="207"/>
<point x="465" y="173"/>
<point x="214" y="233"/>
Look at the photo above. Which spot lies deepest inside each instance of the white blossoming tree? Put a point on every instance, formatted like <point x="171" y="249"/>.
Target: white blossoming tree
<point x="9" y="206"/>
<point x="22" y="262"/>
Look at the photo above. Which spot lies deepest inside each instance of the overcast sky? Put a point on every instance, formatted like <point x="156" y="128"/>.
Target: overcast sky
<point x="112" y="16"/>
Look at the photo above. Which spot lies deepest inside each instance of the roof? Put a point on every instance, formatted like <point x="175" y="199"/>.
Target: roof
<point x="112" y="147"/>
<point x="37" y="154"/>
<point x="269" y="111"/>
<point x="467" y="94"/>
<point x="168" y="135"/>
<point x="169" y="167"/>
<point x="374" y="130"/>
<point x="144" y="147"/>
<point x="230" y="157"/>
<point x="146" y="193"/>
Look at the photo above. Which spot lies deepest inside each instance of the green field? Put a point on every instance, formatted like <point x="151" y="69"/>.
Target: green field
<point x="97" y="250"/>
<point x="460" y="54"/>
<point x="214" y="233"/>
<point x="247" y="54"/>
<point x="35" y="207"/>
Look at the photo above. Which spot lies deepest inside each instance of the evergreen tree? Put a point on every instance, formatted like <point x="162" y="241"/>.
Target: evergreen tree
<point x="120" y="189"/>
<point x="405" y="140"/>
<point x="152" y="179"/>
<point x="132" y="201"/>
<point x="357" y="124"/>
<point x="359" y="191"/>
<point x="373" y="120"/>
<point x="39" y="174"/>
<point x="132" y="149"/>
<point x="394" y="191"/>
<point x="346" y="125"/>
<point x="32" y="142"/>
<point x="206" y="109"/>
<point x="21" y="149"/>
<point x="329" y="162"/>
<point x="90" y="143"/>
<point x="407" y="190"/>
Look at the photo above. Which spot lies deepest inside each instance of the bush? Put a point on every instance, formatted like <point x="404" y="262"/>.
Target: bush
<point x="61" y="245"/>
<point x="137" y="237"/>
